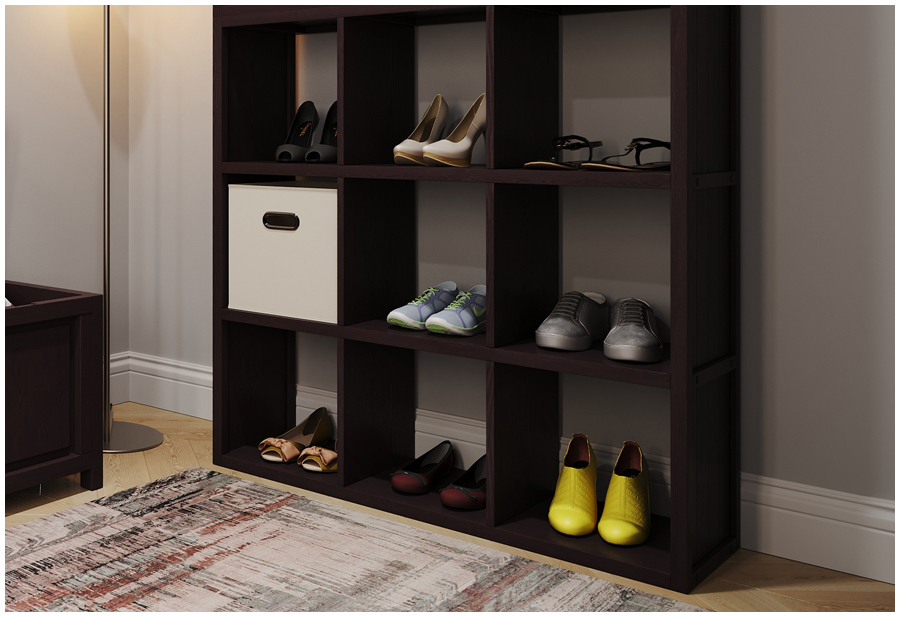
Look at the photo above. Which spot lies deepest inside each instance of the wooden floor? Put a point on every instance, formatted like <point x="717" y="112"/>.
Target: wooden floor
<point x="747" y="582"/>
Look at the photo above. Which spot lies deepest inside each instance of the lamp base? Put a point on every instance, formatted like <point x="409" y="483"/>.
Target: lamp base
<point x="130" y="437"/>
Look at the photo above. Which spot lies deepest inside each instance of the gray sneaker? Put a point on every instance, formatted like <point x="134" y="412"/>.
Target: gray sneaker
<point x="467" y="315"/>
<point x="575" y="323"/>
<point x="633" y="335"/>
<point x="416" y="313"/>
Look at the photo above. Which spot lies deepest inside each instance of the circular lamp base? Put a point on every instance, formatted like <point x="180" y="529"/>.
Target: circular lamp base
<point x="130" y="437"/>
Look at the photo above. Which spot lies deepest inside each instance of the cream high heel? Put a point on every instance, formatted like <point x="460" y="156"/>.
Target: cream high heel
<point x="430" y="129"/>
<point x="456" y="149"/>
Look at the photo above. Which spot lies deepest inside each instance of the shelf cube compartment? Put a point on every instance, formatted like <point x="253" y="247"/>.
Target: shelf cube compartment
<point x="282" y="250"/>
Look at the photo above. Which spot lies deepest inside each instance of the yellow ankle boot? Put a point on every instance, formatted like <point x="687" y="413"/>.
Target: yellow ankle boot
<point x="573" y="510"/>
<point x="626" y="513"/>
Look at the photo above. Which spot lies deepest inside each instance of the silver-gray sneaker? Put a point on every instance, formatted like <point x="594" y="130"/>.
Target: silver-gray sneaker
<point x="578" y="320"/>
<point x="633" y="335"/>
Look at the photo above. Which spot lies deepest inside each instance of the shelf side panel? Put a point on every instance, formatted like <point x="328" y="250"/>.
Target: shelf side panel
<point x="376" y="409"/>
<point x="523" y="85"/>
<point x="258" y="386"/>
<point x="523" y="259"/>
<point x="522" y="437"/>
<point x="704" y="297"/>
<point x="259" y="91"/>
<point x="376" y="89"/>
<point x="376" y="248"/>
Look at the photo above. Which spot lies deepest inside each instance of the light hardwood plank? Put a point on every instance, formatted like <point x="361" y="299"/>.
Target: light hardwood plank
<point x="171" y="456"/>
<point x="722" y="595"/>
<point x="123" y="471"/>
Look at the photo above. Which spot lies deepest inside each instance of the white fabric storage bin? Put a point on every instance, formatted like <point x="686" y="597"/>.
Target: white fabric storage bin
<point x="275" y="268"/>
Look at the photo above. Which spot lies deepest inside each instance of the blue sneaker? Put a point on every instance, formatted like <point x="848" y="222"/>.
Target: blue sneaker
<point x="465" y="317"/>
<point x="433" y="300"/>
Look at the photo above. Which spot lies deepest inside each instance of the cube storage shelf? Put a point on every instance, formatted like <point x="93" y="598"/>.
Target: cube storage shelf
<point x="254" y="354"/>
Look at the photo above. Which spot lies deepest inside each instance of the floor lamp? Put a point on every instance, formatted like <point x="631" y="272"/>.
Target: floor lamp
<point x="118" y="437"/>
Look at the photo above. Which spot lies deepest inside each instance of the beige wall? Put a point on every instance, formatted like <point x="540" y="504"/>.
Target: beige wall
<point x="54" y="152"/>
<point x="170" y="182"/>
<point x="817" y="231"/>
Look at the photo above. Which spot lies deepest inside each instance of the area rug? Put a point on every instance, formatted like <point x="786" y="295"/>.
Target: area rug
<point x="204" y="541"/>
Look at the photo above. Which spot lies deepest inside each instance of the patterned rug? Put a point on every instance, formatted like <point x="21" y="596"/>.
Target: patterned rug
<point x="205" y="541"/>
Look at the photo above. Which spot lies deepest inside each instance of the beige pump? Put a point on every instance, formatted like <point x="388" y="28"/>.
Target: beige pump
<point x="456" y="149"/>
<point x="430" y="129"/>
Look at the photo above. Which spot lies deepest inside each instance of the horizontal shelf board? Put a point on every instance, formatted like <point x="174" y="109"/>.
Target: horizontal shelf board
<point x="300" y="16"/>
<point x="590" y="363"/>
<point x="380" y="332"/>
<point x="282" y="323"/>
<point x="248" y="460"/>
<point x="475" y="173"/>
<point x="376" y="492"/>
<point x="649" y="562"/>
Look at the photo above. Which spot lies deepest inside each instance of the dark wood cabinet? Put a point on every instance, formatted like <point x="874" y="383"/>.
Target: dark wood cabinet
<point x="254" y="361"/>
<point x="54" y="384"/>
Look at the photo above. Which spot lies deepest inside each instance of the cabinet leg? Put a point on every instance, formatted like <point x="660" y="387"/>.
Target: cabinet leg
<point x="92" y="479"/>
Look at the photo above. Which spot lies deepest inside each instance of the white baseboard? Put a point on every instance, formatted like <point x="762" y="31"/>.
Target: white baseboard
<point x="159" y="382"/>
<point x="835" y="530"/>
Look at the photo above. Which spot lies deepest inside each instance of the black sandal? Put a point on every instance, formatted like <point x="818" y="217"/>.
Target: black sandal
<point x="637" y="145"/>
<point x="568" y="142"/>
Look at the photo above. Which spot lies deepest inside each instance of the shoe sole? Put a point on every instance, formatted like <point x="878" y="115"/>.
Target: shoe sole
<point x="402" y="158"/>
<point x="445" y="328"/>
<point x="565" y="343"/>
<point x="444" y="160"/>
<point x="399" y="319"/>
<point x="632" y="354"/>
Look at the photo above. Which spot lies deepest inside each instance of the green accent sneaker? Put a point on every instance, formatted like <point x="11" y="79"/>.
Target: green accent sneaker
<point x="433" y="300"/>
<point x="465" y="316"/>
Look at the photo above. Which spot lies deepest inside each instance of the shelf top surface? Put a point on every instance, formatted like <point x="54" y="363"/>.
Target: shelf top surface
<point x="475" y="173"/>
<point x="590" y="363"/>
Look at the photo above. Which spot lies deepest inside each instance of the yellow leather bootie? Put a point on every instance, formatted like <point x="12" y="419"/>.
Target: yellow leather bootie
<point x="626" y="513"/>
<point x="573" y="510"/>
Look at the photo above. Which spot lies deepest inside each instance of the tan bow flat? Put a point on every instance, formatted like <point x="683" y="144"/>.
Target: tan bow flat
<point x="315" y="429"/>
<point x="318" y="459"/>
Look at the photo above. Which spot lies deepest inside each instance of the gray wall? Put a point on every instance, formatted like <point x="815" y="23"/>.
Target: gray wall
<point x="817" y="215"/>
<point x="170" y="182"/>
<point x="817" y="231"/>
<point x="54" y="152"/>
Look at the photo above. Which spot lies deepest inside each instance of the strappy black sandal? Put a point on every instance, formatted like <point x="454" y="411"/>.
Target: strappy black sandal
<point x="568" y="142"/>
<point x="637" y="145"/>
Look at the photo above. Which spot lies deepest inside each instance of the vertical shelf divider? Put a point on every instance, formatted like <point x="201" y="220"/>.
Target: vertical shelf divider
<point x="523" y="262"/>
<point x="376" y="409"/>
<point x="376" y="88"/>
<point x="522" y="85"/>
<point x="522" y="438"/>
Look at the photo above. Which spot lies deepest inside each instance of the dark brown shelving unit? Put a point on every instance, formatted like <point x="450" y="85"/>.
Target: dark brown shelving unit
<point x="254" y="354"/>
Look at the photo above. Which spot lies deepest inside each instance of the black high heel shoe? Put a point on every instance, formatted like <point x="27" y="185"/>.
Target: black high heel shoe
<point x="326" y="151"/>
<point x="299" y="137"/>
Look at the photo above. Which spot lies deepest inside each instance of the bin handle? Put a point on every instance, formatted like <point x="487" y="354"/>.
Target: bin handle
<point x="287" y="221"/>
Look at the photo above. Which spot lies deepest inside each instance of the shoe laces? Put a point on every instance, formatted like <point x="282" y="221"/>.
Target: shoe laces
<point x="425" y="295"/>
<point x="567" y="305"/>
<point x="632" y="313"/>
<point x="460" y="300"/>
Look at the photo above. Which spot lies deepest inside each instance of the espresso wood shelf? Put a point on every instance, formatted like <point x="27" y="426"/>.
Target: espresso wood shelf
<point x="475" y="173"/>
<point x="254" y="354"/>
<point x="590" y="363"/>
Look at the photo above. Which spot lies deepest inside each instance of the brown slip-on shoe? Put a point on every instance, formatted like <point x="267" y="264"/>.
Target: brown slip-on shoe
<point x="419" y="475"/>
<point x="469" y="490"/>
